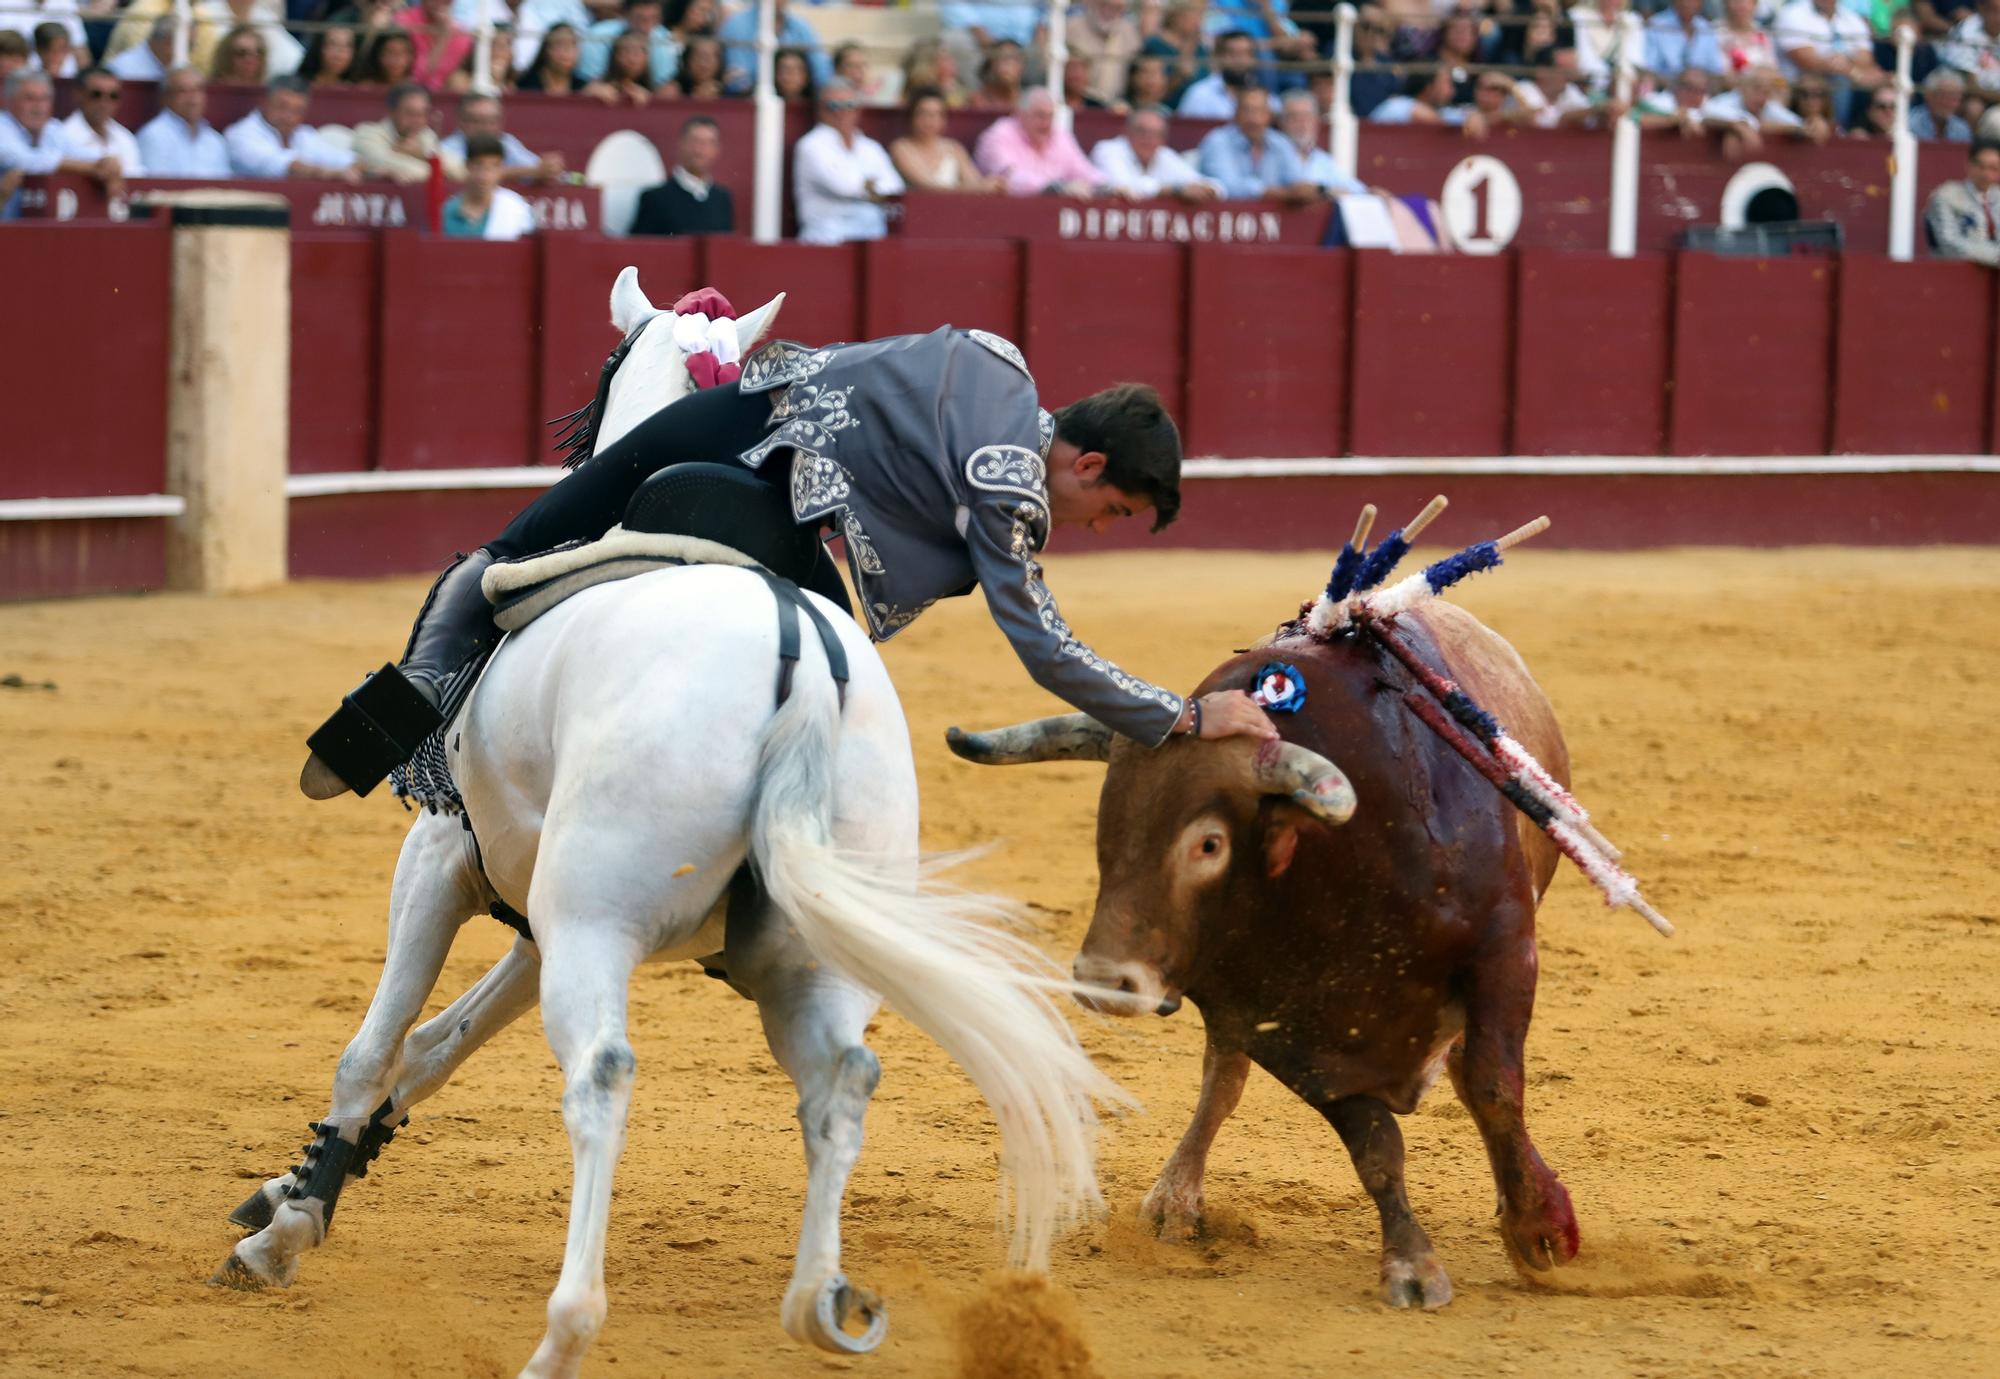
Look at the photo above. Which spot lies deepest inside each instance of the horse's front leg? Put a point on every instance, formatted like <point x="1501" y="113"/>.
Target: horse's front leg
<point x="432" y="1052"/>
<point x="815" y="1021"/>
<point x="436" y="890"/>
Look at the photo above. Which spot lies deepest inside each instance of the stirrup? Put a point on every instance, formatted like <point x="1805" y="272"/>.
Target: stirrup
<point x="377" y="728"/>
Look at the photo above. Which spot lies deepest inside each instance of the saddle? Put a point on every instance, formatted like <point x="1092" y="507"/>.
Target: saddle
<point x="687" y="514"/>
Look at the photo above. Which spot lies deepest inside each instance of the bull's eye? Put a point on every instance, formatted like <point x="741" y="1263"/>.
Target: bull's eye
<point x="1211" y="845"/>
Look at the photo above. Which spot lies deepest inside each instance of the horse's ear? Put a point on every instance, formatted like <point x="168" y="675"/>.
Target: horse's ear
<point x="629" y="305"/>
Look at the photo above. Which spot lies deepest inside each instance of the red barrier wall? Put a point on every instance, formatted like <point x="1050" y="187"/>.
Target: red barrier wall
<point x="916" y="286"/>
<point x="1267" y="358"/>
<point x="354" y="534"/>
<point x="1098" y="314"/>
<point x="1592" y="349"/>
<point x="1913" y="358"/>
<point x="1431" y="344"/>
<point x="1752" y="342"/>
<point x="85" y="359"/>
<point x="459" y="352"/>
<point x="822" y="285"/>
<point x="336" y="292"/>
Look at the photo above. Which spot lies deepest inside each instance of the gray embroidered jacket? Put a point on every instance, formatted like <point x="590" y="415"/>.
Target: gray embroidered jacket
<point x="929" y="453"/>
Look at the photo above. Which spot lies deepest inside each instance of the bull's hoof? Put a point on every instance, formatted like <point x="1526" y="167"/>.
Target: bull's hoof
<point x="1415" y="1282"/>
<point x="257" y="1210"/>
<point x="843" y="1319"/>
<point x="234" y="1273"/>
<point x="1173" y="1215"/>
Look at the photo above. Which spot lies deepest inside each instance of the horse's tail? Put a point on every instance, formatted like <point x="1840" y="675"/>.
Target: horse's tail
<point x="942" y="959"/>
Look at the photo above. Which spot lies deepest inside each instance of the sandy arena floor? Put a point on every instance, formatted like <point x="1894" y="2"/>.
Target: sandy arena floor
<point x="1781" y="1128"/>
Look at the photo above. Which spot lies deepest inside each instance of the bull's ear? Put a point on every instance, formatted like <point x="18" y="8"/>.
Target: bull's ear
<point x="1281" y="840"/>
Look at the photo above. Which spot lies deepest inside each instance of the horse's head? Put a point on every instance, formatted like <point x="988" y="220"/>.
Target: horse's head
<point x="649" y="369"/>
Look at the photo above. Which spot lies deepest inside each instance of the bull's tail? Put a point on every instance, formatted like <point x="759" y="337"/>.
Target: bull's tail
<point x="941" y="958"/>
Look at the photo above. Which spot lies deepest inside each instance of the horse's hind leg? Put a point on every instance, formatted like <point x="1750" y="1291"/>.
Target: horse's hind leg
<point x="815" y="1020"/>
<point x="432" y="1052"/>
<point x="436" y="890"/>
<point x="585" y="976"/>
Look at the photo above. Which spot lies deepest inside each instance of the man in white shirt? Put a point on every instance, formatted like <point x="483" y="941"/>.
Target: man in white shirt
<point x="1298" y="121"/>
<point x="33" y="144"/>
<point x="1970" y="48"/>
<point x="1750" y="112"/>
<point x="274" y="140"/>
<point x="1139" y="164"/>
<point x="479" y="115"/>
<point x="91" y="131"/>
<point x="178" y="142"/>
<point x="1821" y="37"/>
<point x="147" y="61"/>
<point x="842" y="180"/>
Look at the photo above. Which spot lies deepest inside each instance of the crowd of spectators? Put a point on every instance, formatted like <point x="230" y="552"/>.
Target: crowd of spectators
<point x="1739" y="72"/>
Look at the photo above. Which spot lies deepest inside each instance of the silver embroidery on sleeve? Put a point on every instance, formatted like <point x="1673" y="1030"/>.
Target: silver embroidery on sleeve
<point x="863" y="550"/>
<point x="1011" y="469"/>
<point x="1045" y="424"/>
<point x="1023" y="542"/>
<point x="1001" y="346"/>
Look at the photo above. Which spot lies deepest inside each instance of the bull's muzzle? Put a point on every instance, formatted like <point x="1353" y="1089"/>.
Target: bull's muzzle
<point x="1122" y="988"/>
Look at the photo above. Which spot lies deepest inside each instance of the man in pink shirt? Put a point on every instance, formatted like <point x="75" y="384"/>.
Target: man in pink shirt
<point x="1034" y="154"/>
<point x="442" y="46"/>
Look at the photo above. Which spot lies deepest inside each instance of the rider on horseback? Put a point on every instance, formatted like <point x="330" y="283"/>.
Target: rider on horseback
<point x="930" y="455"/>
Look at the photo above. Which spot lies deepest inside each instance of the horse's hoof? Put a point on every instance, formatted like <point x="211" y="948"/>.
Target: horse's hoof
<point x="318" y="782"/>
<point x="255" y="1213"/>
<point x="839" y="1306"/>
<point x="234" y="1273"/>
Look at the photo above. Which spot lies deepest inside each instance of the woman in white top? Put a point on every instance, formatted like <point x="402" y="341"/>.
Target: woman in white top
<point x="1599" y="29"/>
<point x="1744" y="45"/>
<point x="928" y="159"/>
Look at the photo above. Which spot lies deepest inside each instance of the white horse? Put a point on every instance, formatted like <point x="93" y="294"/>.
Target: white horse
<point x="621" y="759"/>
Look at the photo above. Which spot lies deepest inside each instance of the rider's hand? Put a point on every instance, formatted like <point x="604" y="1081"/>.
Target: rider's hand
<point x="1232" y="713"/>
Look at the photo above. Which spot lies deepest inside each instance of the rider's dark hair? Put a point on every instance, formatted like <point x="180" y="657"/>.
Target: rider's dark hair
<point x="1140" y="443"/>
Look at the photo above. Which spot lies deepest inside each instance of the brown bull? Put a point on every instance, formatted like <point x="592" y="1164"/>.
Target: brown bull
<point x="1348" y="962"/>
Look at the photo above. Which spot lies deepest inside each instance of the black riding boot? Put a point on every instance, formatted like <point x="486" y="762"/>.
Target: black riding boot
<point x="382" y="723"/>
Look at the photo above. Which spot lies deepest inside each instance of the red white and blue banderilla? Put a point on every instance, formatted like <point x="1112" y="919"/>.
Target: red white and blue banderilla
<point x="1447" y="710"/>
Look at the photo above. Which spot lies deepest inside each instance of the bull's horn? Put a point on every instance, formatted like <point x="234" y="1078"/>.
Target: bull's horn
<point x="1066" y="737"/>
<point x="1307" y="779"/>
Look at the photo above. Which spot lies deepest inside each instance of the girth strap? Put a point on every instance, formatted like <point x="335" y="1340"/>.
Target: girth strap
<point x="791" y="599"/>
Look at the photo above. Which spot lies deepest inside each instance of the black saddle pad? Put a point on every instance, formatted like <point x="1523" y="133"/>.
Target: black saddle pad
<point x="729" y="505"/>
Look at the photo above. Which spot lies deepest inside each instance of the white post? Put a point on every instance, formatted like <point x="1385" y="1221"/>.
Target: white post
<point x="1343" y="131"/>
<point x="1903" y="157"/>
<point x="1625" y="146"/>
<point x="482" y="52"/>
<point x="183" y="31"/>
<point x="1058" y="25"/>
<point x="768" y="215"/>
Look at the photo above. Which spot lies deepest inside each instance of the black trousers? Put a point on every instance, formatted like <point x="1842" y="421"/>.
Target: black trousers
<point x="712" y="425"/>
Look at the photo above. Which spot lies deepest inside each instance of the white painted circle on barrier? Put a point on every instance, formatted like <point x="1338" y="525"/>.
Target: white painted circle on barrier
<point x="1482" y="205"/>
<point x="1744" y="184"/>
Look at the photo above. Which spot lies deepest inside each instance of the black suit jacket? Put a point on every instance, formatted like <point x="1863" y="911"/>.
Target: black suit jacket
<point x="670" y="209"/>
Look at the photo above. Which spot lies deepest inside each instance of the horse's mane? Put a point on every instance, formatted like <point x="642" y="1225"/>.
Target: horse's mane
<point x="576" y="434"/>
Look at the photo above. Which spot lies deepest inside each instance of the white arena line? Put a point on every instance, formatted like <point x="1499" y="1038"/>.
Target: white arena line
<point x="1552" y="467"/>
<point x="52" y="509"/>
